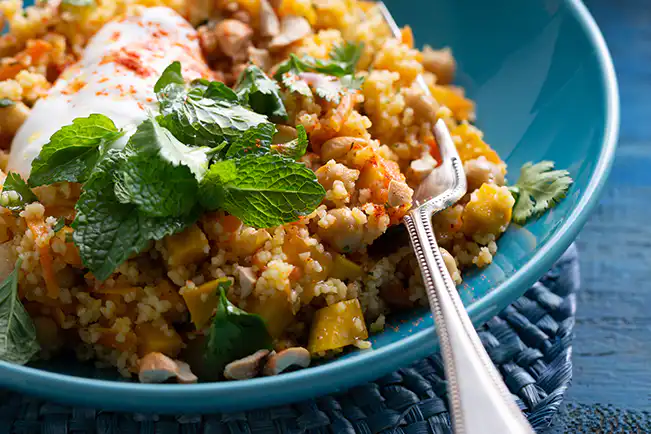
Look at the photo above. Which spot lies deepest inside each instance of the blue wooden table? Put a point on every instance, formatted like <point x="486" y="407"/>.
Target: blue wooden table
<point x="612" y="348"/>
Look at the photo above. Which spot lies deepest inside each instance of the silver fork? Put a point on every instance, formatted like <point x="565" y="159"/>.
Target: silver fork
<point x="479" y="400"/>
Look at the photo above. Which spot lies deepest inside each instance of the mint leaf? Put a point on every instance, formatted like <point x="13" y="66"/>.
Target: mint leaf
<point x="16" y="194"/>
<point x="171" y="76"/>
<point x="108" y="232"/>
<point x="159" y="174"/>
<point x="203" y="114"/>
<point x="73" y="151"/>
<point x="18" y="343"/>
<point x="294" y="149"/>
<point x="260" y="92"/>
<point x="6" y="102"/>
<point x="234" y="334"/>
<point x="255" y="141"/>
<point x="262" y="191"/>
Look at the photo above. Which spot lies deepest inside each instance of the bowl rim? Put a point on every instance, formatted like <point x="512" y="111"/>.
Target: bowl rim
<point x="228" y="396"/>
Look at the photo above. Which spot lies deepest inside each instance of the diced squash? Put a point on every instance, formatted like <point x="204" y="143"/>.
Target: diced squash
<point x="488" y="211"/>
<point x="462" y="108"/>
<point x="187" y="247"/>
<point x="301" y="8"/>
<point x="151" y="338"/>
<point x="337" y="326"/>
<point x="276" y="312"/>
<point x="472" y="146"/>
<point x="168" y="292"/>
<point x="343" y="269"/>
<point x="113" y="339"/>
<point x="202" y="301"/>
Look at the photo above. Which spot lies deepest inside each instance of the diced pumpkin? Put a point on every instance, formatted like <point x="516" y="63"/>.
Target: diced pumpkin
<point x="488" y="211"/>
<point x="276" y="312"/>
<point x="472" y="146"/>
<point x="152" y="339"/>
<point x="202" y="301"/>
<point x="168" y="292"/>
<point x="407" y="36"/>
<point x="343" y="268"/>
<point x="462" y="108"/>
<point x="337" y="326"/>
<point x="301" y="8"/>
<point x="113" y="339"/>
<point x="187" y="247"/>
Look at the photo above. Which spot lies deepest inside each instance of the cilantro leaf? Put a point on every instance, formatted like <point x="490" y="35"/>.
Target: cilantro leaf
<point x="294" y="149"/>
<point x="262" y="191"/>
<point x="260" y="92"/>
<point x="16" y="194"/>
<point x="538" y="189"/>
<point x="6" y="102"/>
<point x="108" y="232"/>
<point x="159" y="174"/>
<point x="255" y="141"/>
<point x="18" y="343"/>
<point x="234" y="334"/>
<point x="347" y="54"/>
<point x="203" y="114"/>
<point x="72" y="152"/>
<point x="61" y="222"/>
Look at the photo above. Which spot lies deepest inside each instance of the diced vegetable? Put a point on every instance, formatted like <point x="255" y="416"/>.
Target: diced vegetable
<point x="168" y="292"/>
<point x="276" y="312"/>
<point x="202" y="301"/>
<point x="113" y="339"/>
<point x="337" y="326"/>
<point x="187" y="247"/>
<point x="472" y="146"/>
<point x="40" y="230"/>
<point x="488" y="211"/>
<point x="343" y="269"/>
<point x="151" y="338"/>
<point x="462" y="108"/>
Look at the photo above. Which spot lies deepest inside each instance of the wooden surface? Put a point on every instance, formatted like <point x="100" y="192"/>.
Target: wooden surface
<point x="612" y="347"/>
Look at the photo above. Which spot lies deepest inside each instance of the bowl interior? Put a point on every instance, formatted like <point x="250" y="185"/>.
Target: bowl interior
<point x="544" y="89"/>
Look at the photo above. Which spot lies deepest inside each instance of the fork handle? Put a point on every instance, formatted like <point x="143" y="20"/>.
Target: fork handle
<point x="479" y="400"/>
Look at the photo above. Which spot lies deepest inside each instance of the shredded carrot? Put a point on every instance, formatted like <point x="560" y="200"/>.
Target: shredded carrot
<point x="407" y="36"/>
<point x="40" y="231"/>
<point x="32" y="55"/>
<point x="434" y="150"/>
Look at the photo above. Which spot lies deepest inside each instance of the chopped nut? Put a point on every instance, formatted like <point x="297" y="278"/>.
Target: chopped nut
<point x="292" y="29"/>
<point x="339" y="147"/>
<point x="269" y="23"/>
<point x="234" y="38"/>
<point x="481" y="171"/>
<point x="260" y="57"/>
<point x="158" y="368"/>
<point x="423" y="105"/>
<point x="422" y="167"/>
<point x="279" y="362"/>
<point x="245" y="368"/>
<point x="284" y="134"/>
<point x="399" y="193"/>
<point x="247" y="280"/>
<point x="440" y="63"/>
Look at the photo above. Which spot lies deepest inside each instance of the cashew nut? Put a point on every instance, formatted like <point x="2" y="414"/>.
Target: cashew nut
<point x="247" y="280"/>
<point x="441" y="63"/>
<point x="399" y="194"/>
<point x="292" y="29"/>
<point x="245" y="368"/>
<point x="339" y="147"/>
<point x="158" y="368"/>
<point x="269" y="23"/>
<point x="279" y="362"/>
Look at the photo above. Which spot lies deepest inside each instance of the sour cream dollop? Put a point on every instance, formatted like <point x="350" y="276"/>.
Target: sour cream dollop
<point x="114" y="77"/>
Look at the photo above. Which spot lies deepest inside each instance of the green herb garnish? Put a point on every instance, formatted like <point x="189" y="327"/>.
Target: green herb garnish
<point x="234" y="334"/>
<point x="538" y="189"/>
<point x="294" y="149"/>
<point x="18" y="343"/>
<point x="73" y="151"/>
<point x="16" y="194"/>
<point x="60" y="223"/>
<point x="203" y="113"/>
<point x="6" y="102"/>
<point x="260" y="92"/>
<point x="263" y="191"/>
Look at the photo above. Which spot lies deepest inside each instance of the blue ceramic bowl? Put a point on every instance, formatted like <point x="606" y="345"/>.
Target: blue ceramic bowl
<point x="545" y="88"/>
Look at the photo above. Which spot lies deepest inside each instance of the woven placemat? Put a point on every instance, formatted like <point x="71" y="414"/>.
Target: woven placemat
<point x="530" y="341"/>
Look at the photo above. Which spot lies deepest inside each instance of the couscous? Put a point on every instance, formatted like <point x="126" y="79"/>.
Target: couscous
<point x="198" y="189"/>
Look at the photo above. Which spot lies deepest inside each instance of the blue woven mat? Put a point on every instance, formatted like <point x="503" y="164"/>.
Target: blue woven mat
<point x="530" y="341"/>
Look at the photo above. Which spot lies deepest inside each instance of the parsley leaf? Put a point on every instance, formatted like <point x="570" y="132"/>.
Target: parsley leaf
<point x="72" y="152"/>
<point x="6" y="102"/>
<point x="294" y="149"/>
<point x="538" y="189"/>
<point x="260" y="92"/>
<point x="18" y="343"/>
<point x="255" y="141"/>
<point x="234" y="334"/>
<point x="203" y="114"/>
<point x="159" y="174"/>
<point x="262" y="191"/>
<point x="108" y="232"/>
<point x="16" y="194"/>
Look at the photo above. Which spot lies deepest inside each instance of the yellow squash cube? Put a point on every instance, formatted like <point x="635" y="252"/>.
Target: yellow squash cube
<point x="488" y="211"/>
<point x="337" y="326"/>
<point x="187" y="247"/>
<point x="343" y="268"/>
<point x="472" y="145"/>
<point x="202" y="301"/>
<point x="152" y="338"/>
<point x="276" y="311"/>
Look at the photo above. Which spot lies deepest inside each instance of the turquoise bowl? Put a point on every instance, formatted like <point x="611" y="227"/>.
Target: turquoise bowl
<point x="545" y="89"/>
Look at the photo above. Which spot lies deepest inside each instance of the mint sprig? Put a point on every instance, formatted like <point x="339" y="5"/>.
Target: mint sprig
<point x="260" y="92"/>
